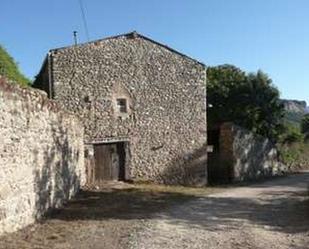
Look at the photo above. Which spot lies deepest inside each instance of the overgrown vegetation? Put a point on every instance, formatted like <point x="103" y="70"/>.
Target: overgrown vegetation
<point x="295" y="155"/>
<point x="9" y="68"/>
<point x="294" y="145"/>
<point x="252" y="101"/>
<point x="291" y="134"/>
<point x="305" y="126"/>
<point x="249" y="100"/>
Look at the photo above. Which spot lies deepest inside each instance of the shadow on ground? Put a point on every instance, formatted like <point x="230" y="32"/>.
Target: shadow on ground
<point x="108" y="217"/>
<point x="221" y="214"/>
<point x="285" y="211"/>
<point x="127" y="203"/>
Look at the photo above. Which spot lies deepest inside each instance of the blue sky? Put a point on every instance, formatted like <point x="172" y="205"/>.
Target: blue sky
<point x="272" y="35"/>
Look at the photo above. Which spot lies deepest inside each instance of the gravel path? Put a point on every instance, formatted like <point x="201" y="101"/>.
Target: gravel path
<point x="274" y="214"/>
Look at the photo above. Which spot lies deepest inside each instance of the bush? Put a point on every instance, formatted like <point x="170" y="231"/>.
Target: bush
<point x="295" y="156"/>
<point x="305" y="125"/>
<point x="291" y="134"/>
<point x="293" y="137"/>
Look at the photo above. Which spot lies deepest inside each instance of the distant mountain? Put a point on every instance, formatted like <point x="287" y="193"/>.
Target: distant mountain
<point x="295" y="110"/>
<point x="295" y="105"/>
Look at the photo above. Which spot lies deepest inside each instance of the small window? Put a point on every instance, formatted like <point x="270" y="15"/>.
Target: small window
<point x="122" y="105"/>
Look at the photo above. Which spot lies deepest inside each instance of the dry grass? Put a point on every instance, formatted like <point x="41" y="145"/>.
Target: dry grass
<point x="191" y="191"/>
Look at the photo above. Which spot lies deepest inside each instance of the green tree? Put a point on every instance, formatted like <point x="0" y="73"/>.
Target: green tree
<point x="9" y="68"/>
<point x="249" y="100"/>
<point x="223" y="84"/>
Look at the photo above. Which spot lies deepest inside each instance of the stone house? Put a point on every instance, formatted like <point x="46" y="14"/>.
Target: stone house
<point x="143" y="106"/>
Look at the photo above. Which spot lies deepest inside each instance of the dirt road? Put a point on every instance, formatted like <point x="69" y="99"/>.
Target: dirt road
<point x="274" y="214"/>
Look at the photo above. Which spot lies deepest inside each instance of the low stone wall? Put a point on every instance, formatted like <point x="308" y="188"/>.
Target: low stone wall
<point x="41" y="156"/>
<point x="241" y="155"/>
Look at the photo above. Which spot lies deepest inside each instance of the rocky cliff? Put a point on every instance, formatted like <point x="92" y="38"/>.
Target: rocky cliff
<point x="295" y="110"/>
<point x="295" y="106"/>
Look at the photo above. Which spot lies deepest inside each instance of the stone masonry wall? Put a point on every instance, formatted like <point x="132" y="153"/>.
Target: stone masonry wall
<point x="244" y="156"/>
<point x="166" y="120"/>
<point x="41" y="156"/>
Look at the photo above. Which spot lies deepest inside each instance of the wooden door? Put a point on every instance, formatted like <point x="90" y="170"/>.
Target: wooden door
<point x="106" y="162"/>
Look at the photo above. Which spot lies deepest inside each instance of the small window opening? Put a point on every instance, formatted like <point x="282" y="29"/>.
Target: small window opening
<point x="122" y="105"/>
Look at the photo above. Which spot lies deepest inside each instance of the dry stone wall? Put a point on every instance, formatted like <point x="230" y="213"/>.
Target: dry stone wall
<point x="41" y="156"/>
<point x="242" y="155"/>
<point x="166" y="121"/>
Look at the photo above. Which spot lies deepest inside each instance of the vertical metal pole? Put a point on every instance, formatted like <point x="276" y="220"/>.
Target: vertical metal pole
<point x="75" y="37"/>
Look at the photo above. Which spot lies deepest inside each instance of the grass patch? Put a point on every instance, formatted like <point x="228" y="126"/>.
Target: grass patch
<point x="193" y="191"/>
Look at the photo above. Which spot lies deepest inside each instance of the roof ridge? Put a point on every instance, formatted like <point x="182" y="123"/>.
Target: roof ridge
<point x="134" y="33"/>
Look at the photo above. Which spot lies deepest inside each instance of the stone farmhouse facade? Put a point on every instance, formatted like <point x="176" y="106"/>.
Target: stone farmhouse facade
<point x="142" y="104"/>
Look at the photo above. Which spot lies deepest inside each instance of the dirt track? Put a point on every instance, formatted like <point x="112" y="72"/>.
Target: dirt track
<point x="274" y="214"/>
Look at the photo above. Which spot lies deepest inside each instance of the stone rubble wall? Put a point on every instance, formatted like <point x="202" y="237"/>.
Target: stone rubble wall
<point x="244" y="156"/>
<point x="41" y="156"/>
<point x="166" y="121"/>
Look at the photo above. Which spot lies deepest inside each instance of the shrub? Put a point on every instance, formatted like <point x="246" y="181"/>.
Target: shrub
<point x="305" y="125"/>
